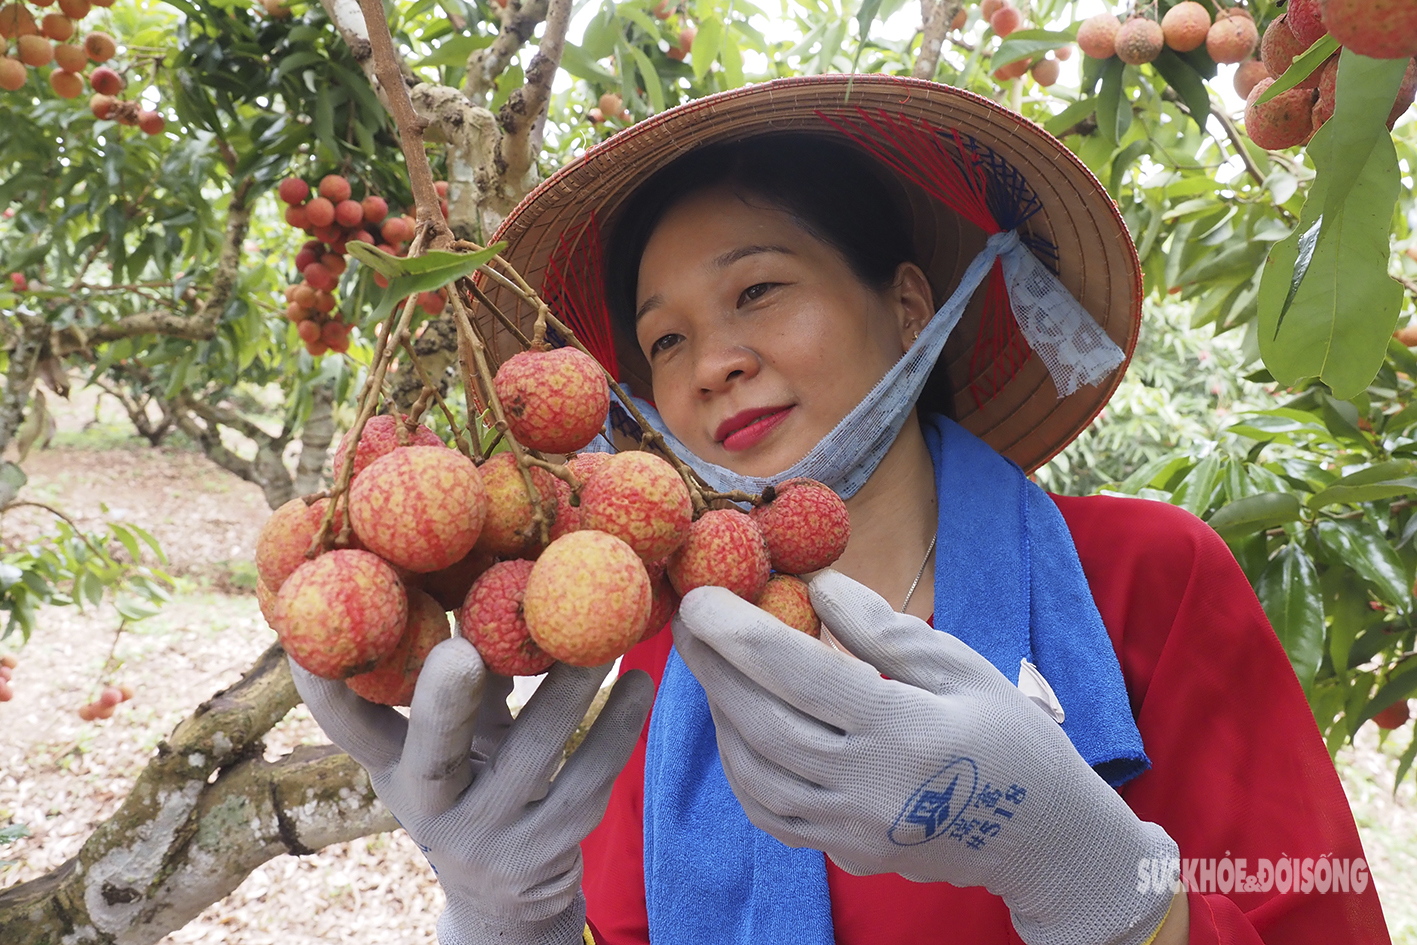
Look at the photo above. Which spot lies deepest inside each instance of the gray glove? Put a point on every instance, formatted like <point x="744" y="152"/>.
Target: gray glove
<point x="473" y="788"/>
<point x="944" y="772"/>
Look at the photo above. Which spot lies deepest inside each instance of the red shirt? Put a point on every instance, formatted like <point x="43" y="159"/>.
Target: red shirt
<point x="1238" y="770"/>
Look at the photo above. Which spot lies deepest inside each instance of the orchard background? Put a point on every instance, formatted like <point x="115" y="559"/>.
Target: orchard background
<point x="174" y="368"/>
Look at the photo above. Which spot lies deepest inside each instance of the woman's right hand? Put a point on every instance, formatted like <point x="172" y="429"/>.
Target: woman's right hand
<point x="473" y="788"/>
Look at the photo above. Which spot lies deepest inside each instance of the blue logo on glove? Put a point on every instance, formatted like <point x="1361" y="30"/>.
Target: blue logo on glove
<point x="936" y="804"/>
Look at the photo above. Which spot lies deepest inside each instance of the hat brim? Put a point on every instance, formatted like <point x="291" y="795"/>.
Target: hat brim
<point x="1022" y="418"/>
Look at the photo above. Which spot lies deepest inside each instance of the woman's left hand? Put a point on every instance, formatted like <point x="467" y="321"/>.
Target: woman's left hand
<point x="943" y="772"/>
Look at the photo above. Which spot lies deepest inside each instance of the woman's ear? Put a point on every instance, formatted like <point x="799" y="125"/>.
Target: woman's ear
<point x="914" y="302"/>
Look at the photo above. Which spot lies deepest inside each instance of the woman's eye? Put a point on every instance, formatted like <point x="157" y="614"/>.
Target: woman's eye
<point x="755" y="292"/>
<point x="663" y="344"/>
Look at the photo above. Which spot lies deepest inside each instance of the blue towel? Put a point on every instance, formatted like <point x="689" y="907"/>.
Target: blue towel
<point x="1008" y="583"/>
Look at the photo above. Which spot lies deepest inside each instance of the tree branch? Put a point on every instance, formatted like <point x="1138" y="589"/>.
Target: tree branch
<point x="29" y="347"/>
<point x="315" y="437"/>
<point x="267" y="470"/>
<point x="524" y="114"/>
<point x="936" y="17"/>
<point x="519" y="22"/>
<point x="180" y="843"/>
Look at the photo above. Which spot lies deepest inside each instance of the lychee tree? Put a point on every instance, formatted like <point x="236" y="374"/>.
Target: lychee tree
<point x="154" y="264"/>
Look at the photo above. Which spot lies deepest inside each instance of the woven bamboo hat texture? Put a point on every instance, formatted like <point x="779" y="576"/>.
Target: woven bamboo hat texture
<point x="986" y="378"/>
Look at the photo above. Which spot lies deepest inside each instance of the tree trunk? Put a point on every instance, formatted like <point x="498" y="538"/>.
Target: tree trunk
<point x="206" y="811"/>
<point x="315" y="438"/>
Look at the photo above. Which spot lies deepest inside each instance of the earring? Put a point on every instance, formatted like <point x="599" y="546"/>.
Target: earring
<point x="916" y="336"/>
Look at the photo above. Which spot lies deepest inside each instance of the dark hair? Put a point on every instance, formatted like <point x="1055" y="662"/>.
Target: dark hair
<point x="831" y="189"/>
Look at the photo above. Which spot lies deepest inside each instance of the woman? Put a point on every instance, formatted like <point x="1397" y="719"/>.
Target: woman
<point x="775" y="261"/>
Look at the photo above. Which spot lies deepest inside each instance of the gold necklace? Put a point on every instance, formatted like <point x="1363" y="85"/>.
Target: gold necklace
<point x="918" y="575"/>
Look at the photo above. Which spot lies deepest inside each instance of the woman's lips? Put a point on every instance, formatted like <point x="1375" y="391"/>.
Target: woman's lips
<point x="759" y="424"/>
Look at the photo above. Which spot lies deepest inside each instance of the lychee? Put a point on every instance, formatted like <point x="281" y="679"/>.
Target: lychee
<point x="556" y="401"/>
<point x="664" y="601"/>
<point x="286" y="536"/>
<point x="419" y="508"/>
<point x="805" y="524"/>
<point x="989" y="7"/>
<point x="1045" y="72"/>
<point x="724" y="548"/>
<point x="640" y="499"/>
<point x="1005" y="20"/>
<point x="12" y="74"/>
<point x="1279" y="46"/>
<point x="320" y="212"/>
<point x="1097" y="36"/>
<point x="334" y="188"/>
<point x="1381" y="29"/>
<point x="374" y="209"/>
<point x="588" y="598"/>
<point x="1013" y="70"/>
<point x="1306" y="21"/>
<point x="1285" y="121"/>
<point x="56" y="26"/>
<point x="611" y="104"/>
<point x="379" y="439"/>
<point x="102" y="105"/>
<point x="1405" y="95"/>
<point x="349" y="213"/>
<point x="100" y="47"/>
<point x="105" y="81"/>
<point x="1328" y="92"/>
<point x="1247" y="74"/>
<point x="266" y="600"/>
<point x="509" y="531"/>
<point x="75" y="9"/>
<point x="70" y="57"/>
<point x="293" y="191"/>
<point x="492" y="620"/>
<point x="1185" y="26"/>
<point x="16" y="20"/>
<point x="341" y="613"/>
<point x="66" y="84"/>
<point x="585" y="465"/>
<point x="34" y="50"/>
<point x="1231" y="38"/>
<point x="786" y="598"/>
<point x="151" y="122"/>
<point x="449" y="586"/>
<point x="1139" y="40"/>
<point x="392" y="681"/>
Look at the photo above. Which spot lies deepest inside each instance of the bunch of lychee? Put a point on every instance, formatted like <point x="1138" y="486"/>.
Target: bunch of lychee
<point x="542" y="561"/>
<point x="1004" y="18"/>
<point x="108" y="700"/>
<point x="1187" y="26"/>
<point x="1291" y="118"/>
<point x="7" y="673"/>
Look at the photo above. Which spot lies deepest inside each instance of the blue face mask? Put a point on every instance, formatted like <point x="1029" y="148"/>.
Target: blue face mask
<point x="1060" y="331"/>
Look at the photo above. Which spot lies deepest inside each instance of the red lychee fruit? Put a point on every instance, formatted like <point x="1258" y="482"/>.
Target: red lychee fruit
<point x="805" y="524"/>
<point x="989" y="7"/>
<point x="611" y="104"/>
<point x="1005" y="20"/>
<point x="1328" y="91"/>
<point x="585" y="465"/>
<point x="70" y="57"/>
<point x="1013" y="69"/>
<point x="449" y="586"/>
<point x="66" y="84"/>
<point x="75" y="9"/>
<point x="492" y="620"/>
<point x="1045" y="72"/>
<point x="334" y="188"/>
<point x="1097" y="36"/>
<point x="1405" y="94"/>
<point x="86" y="713"/>
<point x="286" y="537"/>
<point x="16" y="20"/>
<point x="663" y="599"/>
<point x="1231" y="38"/>
<point x="1381" y="29"/>
<point x="509" y="530"/>
<point x="419" y="508"/>
<point x="349" y="213"/>
<point x="150" y="122"/>
<point x="1279" y="46"/>
<point x="1305" y="21"/>
<point x="266" y="600"/>
<point x="56" y="26"/>
<point x="1139" y="40"/>
<point x="431" y="302"/>
<point x="724" y="548"/>
<point x="105" y="81"/>
<point x="34" y="50"/>
<point x="12" y="74"/>
<point x="441" y="186"/>
<point x="341" y="613"/>
<point x="1285" y="121"/>
<point x="102" y="105"/>
<point x="556" y="401"/>
<point x="641" y="500"/>
<point x="320" y="212"/>
<point x="568" y="516"/>
<point x="293" y="191"/>
<point x="100" y="47"/>
<point x="1247" y="74"/>
<point x="1063" y="53"/>
<point x="392" y="681"/>
<point x="309" y="331"/>
<point x="319" y="276"/>
<point x="1185" y="26"/>
<point x="786" y="598"/>
<point x="379" y="439"/>
<point x="110" y="696"/>
<point x="1394" y="716"/>
<point x="396" y="230"/>
<point x="587" y="598"/>
<point x="374" y="209"/>
<point x="595" y="115"/>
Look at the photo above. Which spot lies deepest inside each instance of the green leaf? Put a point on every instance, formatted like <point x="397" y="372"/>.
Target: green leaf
<point x="1114" y="109"/>
<point x="1070" y="116"/>
<point x="1360" y="546"/>
<point x="706" y="43"/>
<point x="1400" y="685"/>
<point x="1343" y="313"/>
<point x="1188" y="84"/>
<point x="13" y="832"/>
<point x="1300" y="69"/>
<point x="1288" y="590"/>
<point x="454" y="51"/>
<point x="1194" y="494"/>
<point x="1379" y="481"/>
<point x="412" y="274"/>
<point x="732" y="58"/>
<point x="650" y="78"/>
<point x="1346" y="601"/>
<point x="579" y="64"/>
<point x="1024" y="44"/>
<point x="1254" y="514"/>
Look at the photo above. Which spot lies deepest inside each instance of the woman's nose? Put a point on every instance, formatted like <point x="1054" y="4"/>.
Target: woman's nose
<point x="723" y="363"/>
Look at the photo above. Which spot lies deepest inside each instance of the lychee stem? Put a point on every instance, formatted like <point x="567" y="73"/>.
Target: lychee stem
<point x="430" y="391"/>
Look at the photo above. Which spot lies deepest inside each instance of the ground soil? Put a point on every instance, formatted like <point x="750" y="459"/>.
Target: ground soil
<point x="61" y="776"/>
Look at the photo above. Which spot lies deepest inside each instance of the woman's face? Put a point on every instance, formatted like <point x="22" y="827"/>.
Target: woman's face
<point x="760" y="337"/>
